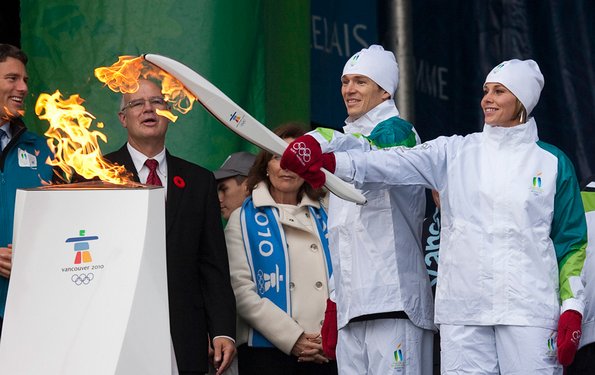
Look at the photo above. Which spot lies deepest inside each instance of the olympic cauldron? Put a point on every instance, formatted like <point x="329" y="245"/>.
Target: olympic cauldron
<point x="88" y="289"/>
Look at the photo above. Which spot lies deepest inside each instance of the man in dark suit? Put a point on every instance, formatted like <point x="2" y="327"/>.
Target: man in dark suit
<point x="201" y="300"/>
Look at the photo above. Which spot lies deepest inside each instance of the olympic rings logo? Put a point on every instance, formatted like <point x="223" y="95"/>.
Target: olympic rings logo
<point x="576" y="337"/>
<point x="82" y="278"/>
<point x="302" y="151"/>
<point x="260" y="281"/>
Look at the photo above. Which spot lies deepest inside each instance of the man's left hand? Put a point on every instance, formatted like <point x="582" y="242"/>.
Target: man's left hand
<point x="224" y="350"/>
<point x="569" y="336"/>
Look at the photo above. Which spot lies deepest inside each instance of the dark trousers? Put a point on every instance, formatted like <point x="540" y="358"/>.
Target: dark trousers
<point x="272" y="361"/>
<point x="584" y="361"/>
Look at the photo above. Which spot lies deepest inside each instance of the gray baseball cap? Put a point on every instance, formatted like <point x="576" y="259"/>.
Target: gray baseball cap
<point x="236" y="164"/>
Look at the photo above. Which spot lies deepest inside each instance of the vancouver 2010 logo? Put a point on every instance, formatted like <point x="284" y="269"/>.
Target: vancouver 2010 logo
<point x="81" y="274"/>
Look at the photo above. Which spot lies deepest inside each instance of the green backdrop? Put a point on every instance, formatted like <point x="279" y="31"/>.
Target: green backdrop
<point x="255" y="51"/>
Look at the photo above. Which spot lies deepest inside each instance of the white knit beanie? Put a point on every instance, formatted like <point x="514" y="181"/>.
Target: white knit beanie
<point x="378" y="65"/>
<point x="522" y="77"/>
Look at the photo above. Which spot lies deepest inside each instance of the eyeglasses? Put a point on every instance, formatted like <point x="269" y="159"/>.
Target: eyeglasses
<point x="137" y="104"/>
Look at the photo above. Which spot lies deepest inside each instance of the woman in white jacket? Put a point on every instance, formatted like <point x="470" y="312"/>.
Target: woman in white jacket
<point x="280" y="267"/>
<point x="513" y="232"/>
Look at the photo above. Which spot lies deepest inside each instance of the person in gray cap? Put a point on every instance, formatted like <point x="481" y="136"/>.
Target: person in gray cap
<point x="231" y="181"/>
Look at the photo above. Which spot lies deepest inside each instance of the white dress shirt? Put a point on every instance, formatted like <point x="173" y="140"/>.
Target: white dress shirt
<point x="138" y="158"/>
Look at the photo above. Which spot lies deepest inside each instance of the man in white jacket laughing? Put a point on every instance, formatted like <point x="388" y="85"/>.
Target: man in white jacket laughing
<point x="383" y="293"/>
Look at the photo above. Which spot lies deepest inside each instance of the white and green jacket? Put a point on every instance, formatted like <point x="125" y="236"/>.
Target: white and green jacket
<point x="513" y="230"/>
<point x="378" y="262"/>
<point x="588" y="194"/>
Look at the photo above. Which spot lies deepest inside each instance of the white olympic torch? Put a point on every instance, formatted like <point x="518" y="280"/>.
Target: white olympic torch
<point x="239" y="121"/>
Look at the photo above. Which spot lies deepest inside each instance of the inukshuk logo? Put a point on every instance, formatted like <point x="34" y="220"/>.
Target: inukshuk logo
<point x="267" y="281"/>
<point x="235" y="117"/>
<point x="81" y="247"/>
<point x="82" y="255"/>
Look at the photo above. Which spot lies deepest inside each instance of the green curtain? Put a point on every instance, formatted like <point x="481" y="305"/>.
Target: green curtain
<point x="242" y="47"/>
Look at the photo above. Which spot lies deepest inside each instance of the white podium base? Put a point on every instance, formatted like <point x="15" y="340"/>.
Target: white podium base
<point x="88" y="289"/>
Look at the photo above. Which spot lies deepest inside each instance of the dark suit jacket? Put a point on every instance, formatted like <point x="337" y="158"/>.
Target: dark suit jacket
<point x="201" y="299"/>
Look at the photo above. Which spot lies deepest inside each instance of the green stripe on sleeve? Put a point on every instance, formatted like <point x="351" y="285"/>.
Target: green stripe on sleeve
<point x="326" y="133"/>
<point x="588" y="200"/>
<point x="571" y="266"/>
<point x="393" y="132"/>
<point x="569" y="227"/>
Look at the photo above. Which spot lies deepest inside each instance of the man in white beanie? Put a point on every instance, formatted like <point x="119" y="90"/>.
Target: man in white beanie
<point x="509" y="298"/>
<point x="382" y="291"/>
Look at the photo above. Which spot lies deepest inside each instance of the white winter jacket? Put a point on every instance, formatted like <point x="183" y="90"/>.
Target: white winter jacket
<point x="588" y="274"/>
<point x="513" y="230"/>
<point x="378" y="263"/>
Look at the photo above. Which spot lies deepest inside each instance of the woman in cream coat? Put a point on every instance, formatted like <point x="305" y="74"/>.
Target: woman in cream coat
<point x="280" y="267"/>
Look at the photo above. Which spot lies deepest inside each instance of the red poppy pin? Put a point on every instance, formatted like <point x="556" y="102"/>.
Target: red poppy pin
<point x="179" y="182"/>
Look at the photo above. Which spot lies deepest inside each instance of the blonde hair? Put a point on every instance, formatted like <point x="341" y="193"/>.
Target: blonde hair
<point x="521" y="113"/>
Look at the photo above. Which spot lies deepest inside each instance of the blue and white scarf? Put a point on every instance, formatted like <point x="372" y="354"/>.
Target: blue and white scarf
<point x="266" y="250"/>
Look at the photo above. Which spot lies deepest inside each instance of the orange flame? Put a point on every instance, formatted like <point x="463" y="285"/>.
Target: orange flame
<point x="123" y="76"/>
<point x="8" y="115"/>
<point x="75" y="147"/>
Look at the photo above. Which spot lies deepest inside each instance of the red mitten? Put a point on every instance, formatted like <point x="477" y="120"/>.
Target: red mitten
<point x="569" y="336"/>
<point x="303" y="155"/>
<point x="314" y="176"/>
<point x="316" y="179"/>
<point x="329" y="330"/>
<point x="329" y="162"/>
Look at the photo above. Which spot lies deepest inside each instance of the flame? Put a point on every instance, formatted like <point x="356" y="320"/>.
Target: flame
<point x="175" y="92"/>
<point x="8" y="115"/>
<point x="74" y="146"/>
<point x="123" y="76"/>
<point x="166" y="113"/>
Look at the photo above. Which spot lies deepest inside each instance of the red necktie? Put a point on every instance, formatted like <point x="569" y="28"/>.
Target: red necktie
<point x="153" y="178"/>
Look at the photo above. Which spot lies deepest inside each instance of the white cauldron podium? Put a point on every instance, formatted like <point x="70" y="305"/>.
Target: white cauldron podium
<point x="88" y="289"/>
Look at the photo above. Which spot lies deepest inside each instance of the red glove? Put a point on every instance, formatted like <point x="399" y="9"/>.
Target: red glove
<point x="304" y="157"/>
<point x="329" y="162"/>
<point x="317" y="178"/>
<point x="569" y="336"/>
<point x="329" y="330"/>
